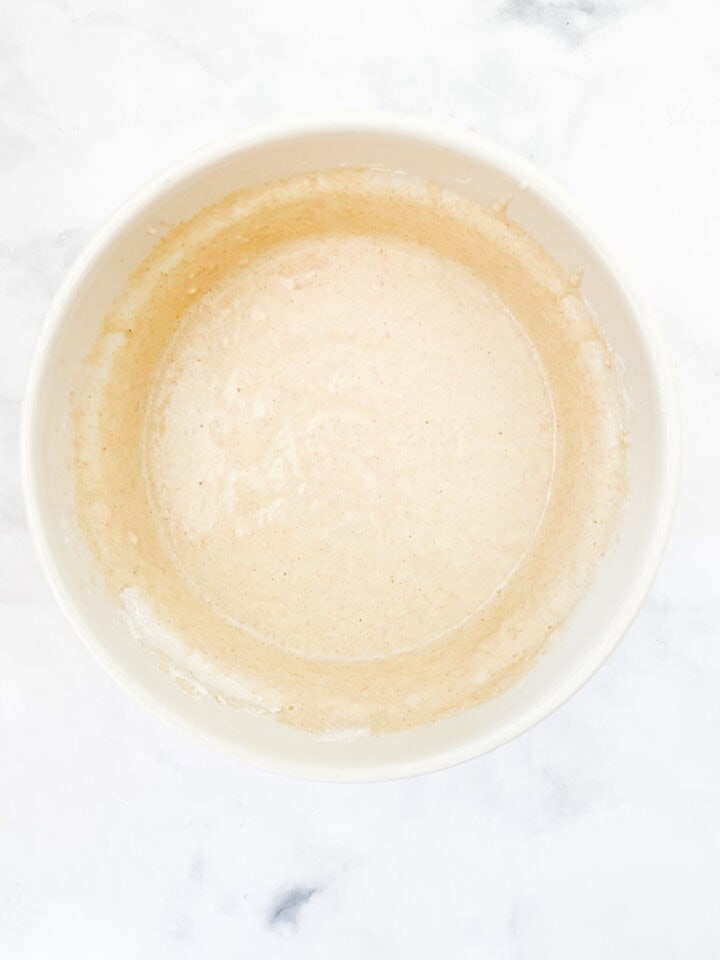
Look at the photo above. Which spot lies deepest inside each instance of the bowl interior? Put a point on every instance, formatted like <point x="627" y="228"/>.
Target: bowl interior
<point x="482" y="173"/>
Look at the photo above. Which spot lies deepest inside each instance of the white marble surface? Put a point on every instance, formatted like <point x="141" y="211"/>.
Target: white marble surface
<point x="595" y="835"/>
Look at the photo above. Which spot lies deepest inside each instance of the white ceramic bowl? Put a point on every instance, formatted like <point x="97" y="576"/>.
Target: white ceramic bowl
<point x="472" y="167"/>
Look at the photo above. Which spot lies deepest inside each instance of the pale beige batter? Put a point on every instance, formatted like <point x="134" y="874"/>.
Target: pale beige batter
<point x="355" y="445"/>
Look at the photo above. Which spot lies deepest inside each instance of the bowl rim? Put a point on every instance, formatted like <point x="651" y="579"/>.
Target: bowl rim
<point x="479" y="149"/>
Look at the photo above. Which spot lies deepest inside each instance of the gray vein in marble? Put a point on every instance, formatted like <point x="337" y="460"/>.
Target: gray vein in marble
<point x="288" y="906"/>
<point x="570" y="20"/>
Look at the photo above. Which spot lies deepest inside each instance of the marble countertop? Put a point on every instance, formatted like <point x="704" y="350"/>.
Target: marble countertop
<point x="595" y="835"/>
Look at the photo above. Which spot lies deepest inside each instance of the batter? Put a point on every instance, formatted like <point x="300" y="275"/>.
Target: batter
<point x="348" y="450"/>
